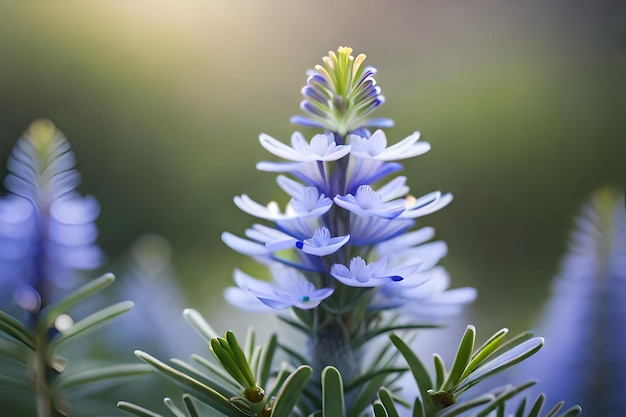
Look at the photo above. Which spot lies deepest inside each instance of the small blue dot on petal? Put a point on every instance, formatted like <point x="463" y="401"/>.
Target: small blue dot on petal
<point x="299" y="245"/>
<point x="396" y="278"/>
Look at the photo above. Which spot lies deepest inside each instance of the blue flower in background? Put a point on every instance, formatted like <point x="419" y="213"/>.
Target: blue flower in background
<point x="47" y="229"/>
<point x="347" y="223"/>
<point x="584" y="359"/>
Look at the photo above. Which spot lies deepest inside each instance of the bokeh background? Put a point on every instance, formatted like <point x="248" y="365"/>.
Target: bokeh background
<point x="523" y="103"/>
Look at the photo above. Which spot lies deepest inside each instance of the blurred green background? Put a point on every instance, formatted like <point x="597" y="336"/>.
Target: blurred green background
<point x="523" y="103"/>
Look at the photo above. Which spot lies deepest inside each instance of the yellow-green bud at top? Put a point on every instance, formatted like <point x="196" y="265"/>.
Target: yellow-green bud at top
<point x="340" y="94"/>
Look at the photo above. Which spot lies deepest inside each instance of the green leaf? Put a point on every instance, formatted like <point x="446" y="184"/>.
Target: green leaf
<point x="364" y="378"/>
<point x="504" y="396"/>
<point x="51" y="313"/>
<point x="290" y="391"/>
<point x="249" y="345"/>
<point x="240" y="358"/>
<point x="90" y="322"/>
<point x="283" y="373"/>
<point x="295" y="355"/>
<point x="369" y="335"/>
<point x="136" y="410"/>
<point x="460" y="408"/>
<point x="503" y="361"/>
<point x="295" y="324"/>
<point x="79" y="379"/>
<point x="21" y="383"/>
<point x="365" y="396"/>
<point x="223" y="354"/>
<point x="175" y="410"/>
<point x="418" y="408"/>
<point x="387" y="400"/>
<point x="484" y="351"/>
<point x="440" y="370"/>
<point x="13" y="349"/>
<point x="379" y="409"/>
<point x="191" y="407"/>
<point x="197" y="321"/>
<point x="14" y="328"/>
<point x="332" y="393"/>
<point x="202" y="392"/>
<point x="420" y="374"/>
<point x="227" y="391"/>
<point x="217" y="372"/>
<point x="553" y="412"/>
<point x="265" y="362"/>
<point x="463" y="355"/>
<point x="534" y="412"/>
<point x="572" y="412"/>
<point x="520" y="409"/>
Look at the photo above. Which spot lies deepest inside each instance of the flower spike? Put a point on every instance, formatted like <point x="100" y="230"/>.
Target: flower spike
<point x="340" y="94"/>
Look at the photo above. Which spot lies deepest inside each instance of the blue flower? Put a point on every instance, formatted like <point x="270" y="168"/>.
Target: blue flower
<point x="290" y="289"/>
<point x="322" y="148"/>
<point x="347" y="223"/>
<point x="583" y="361"/>
<point x="375" y="147"/>
<point x="47" y="229"/>
<point x="361" y="274"/>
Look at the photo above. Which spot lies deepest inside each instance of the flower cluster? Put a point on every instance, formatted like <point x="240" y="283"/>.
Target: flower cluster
<point x="346" y="231"/>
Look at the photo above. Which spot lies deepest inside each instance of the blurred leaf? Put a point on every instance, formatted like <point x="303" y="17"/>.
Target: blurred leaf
<point x="90" y="322"/>
<point x="15" y="329"/>
<point x="175" y="410"/>
<point x="21" y="383"/>
<point x="191" y="407"/>
<point x="14" y="350"/>
<point x="387" y="400"/>
<point x="364" y="399"/>
<point x="51" y="313"/>
<point x="368" y="376"/>
<point x="136" y="410"/>
<point x="202" y="327"/>
<point x="369" y="335"/>
<point x="508" y="393"/>
<point x="295" y="355"/>
<point x="79" y="379"/>
<point x="265" y="363"/>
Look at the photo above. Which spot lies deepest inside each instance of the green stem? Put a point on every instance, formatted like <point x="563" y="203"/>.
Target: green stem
<point x="44" y="402"/>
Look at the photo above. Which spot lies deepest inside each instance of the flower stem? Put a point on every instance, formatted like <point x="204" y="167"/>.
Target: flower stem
<point x="44" y="402"/>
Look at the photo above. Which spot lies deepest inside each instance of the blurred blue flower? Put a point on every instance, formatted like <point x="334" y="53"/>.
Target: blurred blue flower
<point x="47" y="229"/>
<point x="156" y="322"/>
<point x="583" y="361"/>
